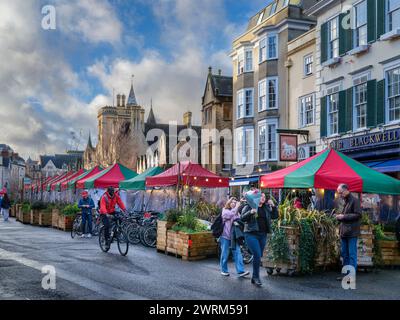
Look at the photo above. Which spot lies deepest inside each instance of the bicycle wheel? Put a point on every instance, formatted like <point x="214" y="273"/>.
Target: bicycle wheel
<point x="149" y="235"/>
<point x="76" y="227"/>
<point x="133" y="233"/>
<point x="102" y="240"/>
<point x="123" y="243"/>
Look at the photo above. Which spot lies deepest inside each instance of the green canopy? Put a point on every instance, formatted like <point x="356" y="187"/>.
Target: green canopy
<point x="87" y="174"/>
<point x="139" y="182"/>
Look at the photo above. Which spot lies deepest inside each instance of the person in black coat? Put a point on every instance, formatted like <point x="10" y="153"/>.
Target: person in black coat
<point x="5" y="206"/>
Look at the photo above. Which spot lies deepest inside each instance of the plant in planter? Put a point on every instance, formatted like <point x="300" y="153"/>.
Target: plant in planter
<point x="25" y="216"/>
<point x="206" y="211"/>
<point x="36" y="209"/>
<point x="45" y="216"/>
<point x="67" y="216"/>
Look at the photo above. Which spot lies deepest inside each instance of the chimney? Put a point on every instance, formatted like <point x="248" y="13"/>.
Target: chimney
<point x="123" y="100"/>
<point x="219" y="72"/>
<point x="118" y="100"/>
<point x="187" y="119"/>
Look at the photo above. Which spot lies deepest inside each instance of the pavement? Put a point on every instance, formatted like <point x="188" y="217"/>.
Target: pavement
<point x="83" y="272"/>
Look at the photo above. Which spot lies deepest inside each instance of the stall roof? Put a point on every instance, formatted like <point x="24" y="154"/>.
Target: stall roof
<point x="139" y="182"/>
<point x="85" y="175"/>
<point x="329" y="168"/>
<point x="61" y="185"/>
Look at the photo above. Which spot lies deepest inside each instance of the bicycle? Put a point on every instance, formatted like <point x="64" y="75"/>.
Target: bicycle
<point x="96" y="224"/>
<point x="77" y="226"/>
<point x="116" y="233"/>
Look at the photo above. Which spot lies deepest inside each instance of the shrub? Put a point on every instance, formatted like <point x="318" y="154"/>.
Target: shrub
<point x="172" y="215"/>
<point x="206" y="211"/>
<point x="70" y="210"/>
<point x="26" y="208"/>
<point x="188" y="222"/>
<point x="38" y="205"/>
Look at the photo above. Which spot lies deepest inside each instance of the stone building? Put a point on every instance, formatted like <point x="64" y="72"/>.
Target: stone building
<point x="12" y="170"/>
<point x="217" y="115"/>
<point x="260" y="93"/>
<point x="52" y="165"/>
<point x="124" y="137"/>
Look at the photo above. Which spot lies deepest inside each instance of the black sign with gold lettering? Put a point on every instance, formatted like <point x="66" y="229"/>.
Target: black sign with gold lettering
<point x="367" y="141"/>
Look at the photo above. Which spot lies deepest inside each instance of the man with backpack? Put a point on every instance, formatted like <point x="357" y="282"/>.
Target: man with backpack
<point x="109" y="200"/>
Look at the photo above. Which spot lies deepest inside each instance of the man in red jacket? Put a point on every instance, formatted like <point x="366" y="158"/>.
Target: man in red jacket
<point x="108" y="201"/>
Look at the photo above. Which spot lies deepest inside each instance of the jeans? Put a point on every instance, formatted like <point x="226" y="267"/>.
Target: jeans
<point x="106" y="223"/>
<point x="237" y="256"/>
<point x="349" y="251"/>
<point x="6" y="214"/>
<point x="256" y="242"/>
<point x="87" y="219"/>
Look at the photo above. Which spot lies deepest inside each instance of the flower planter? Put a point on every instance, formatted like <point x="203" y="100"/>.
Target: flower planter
<point x="55" y="214"/>
<point x="327" y="254"/>
<point x="13" y="211"/>
<point x="65" y="222"/>
<point x="34" y="219"/>
<point x="292" y="265"/>
<point x="25" y="217"/>
<point x="18" y="213"/>
<point x="365" y="247"/>
<point x="45" y="219"/>
<point x="162" y="228"/>
<point x="390" y="252"/>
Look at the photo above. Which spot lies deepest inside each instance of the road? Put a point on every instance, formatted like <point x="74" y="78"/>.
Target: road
<point x="84" y="272"/>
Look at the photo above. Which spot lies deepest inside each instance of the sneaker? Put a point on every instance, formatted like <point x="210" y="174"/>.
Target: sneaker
<point x="88" y="235"/>
<point x="256" y="282"/>
<point x="226" y="274"/>
<point x="82" y="236"/>
<point x="243" y="274"/>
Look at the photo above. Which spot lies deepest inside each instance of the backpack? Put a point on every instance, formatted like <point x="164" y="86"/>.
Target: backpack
<point x="218" y="226"/>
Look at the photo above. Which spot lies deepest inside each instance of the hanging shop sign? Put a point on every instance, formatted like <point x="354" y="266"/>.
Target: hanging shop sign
<point x="288" y="147"/>
<point x="371" y="140"/>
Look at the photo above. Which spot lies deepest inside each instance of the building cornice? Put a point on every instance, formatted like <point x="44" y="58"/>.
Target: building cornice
<point x="320" y="7"/>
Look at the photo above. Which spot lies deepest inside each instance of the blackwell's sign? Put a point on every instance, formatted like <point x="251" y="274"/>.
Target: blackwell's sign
<point x="368" y="140"/>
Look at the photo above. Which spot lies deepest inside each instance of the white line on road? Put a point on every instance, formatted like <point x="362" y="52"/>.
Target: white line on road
<point x="102" y="289"/>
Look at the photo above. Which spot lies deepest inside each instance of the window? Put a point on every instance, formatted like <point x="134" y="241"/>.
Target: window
<point x="273" y="9"/>
<point x="245" y="103"/>
<point x="360" y="101"/>
<point x="306" y="110"/>
<point x="272" y="46"/>
<point x="393" y="13"/>
<point x="313" y="151"/>
<point x="240" y="63"/>
<point x="262" y="95"/>
<point x="244" y="145"/>
<point x="267" y="140"/>
<point x="207" y="115"/>
<point x="227" y="113"/>
<point x="308" y="65"/>
<point x="249" y="60"/>
<point x="360" y="19"/>
<point x="302" y="153"/>
<point x="272" y="102"/>
<point x="333" y="38"/>
<point x="260" y="17"/>
<point x="263" y="50"/>
<point x="333" y="110"/>
<point x="285" y="3"/>
<point x="393" y="94"/>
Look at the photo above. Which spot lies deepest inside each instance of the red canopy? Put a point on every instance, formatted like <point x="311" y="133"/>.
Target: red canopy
<point x="64" y="183"/>
<point x="51" y="180"/>
<point x="62" y="178"/>
<point x="190" y="174"/>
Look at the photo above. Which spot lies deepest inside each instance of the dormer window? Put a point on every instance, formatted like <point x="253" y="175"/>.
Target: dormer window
<point x="260" y="17"/>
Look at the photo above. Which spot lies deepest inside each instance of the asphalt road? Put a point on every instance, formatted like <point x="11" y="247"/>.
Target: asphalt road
<point x="84" y="272"/>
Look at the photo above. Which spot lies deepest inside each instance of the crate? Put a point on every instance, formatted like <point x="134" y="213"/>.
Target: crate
<point x="34" y="219"/>
<point x="365" y="247"/>
<point x="162" y="228"/>
<point x="65" y="222"/>
<point x="25" y="217"/>
<point x="55" y="214"/>
<point x="390" y="252"/>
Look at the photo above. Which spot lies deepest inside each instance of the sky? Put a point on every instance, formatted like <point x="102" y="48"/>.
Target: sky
<point x="52" y="82"/>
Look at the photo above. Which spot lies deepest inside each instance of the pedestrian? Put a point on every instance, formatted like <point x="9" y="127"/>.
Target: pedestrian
<point x="1" y="198"/>
<point x="229" y="215"/>
<point x="257" y="224"/>
<point x="5" y="206"/>
<point x="108" y="201"/>
<point x="349" y="229"/>
<point x="86" y="204"/>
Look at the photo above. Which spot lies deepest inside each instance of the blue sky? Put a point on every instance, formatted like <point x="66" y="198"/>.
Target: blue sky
<point x="55" y="80"/>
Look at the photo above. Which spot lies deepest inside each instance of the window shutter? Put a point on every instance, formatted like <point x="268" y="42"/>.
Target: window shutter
<point x="345" y="34"/>
<point x="342" y="111"/>
<point x="371" y="19"/>
<point x="381" y="18"/>
<point x="349" y="110"/>
<point x="324" y="119"/>
<point x="324" y="42"/>
<point x="380" y="102"/>
<point x="371" y="104"/>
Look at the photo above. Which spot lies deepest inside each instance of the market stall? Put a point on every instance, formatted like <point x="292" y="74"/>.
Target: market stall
<point x="287" y="249"/>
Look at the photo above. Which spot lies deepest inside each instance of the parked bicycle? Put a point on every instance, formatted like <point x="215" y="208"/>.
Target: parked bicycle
<point x="116" y="234"/>
<point x="142" y="227"/>
<point x="77" y="225"/>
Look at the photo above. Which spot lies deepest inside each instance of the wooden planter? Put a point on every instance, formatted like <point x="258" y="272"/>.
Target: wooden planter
<point x="293" y="265"/>
<point x="13" y="211"/>
<point x="162" y="228"/>
<point x="365" y="247"/>
<point x="18" y="213"/>
<point x="193" y="246"/>
<point x="65" y="222"/>
<point x="25" y="217"/>
<point x="35" y="217"/>
<point x="390" y="252"/>
<point x="55" y="214"/>
<point x="324" y="257"/>
<point x="45" y="219"/>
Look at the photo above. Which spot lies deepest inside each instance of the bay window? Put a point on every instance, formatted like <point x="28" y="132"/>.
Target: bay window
<point x="272" y="93"/>
<point x="272" y="46"/>
<point x="244" y="103"/>
<point x="262" y="95"/>
<point x="244" y="145"/>
<point x="267" y="140"/>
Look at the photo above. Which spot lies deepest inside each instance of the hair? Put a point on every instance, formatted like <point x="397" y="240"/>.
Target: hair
<point x="228" y="203"/>
<point x="344" y="186"/>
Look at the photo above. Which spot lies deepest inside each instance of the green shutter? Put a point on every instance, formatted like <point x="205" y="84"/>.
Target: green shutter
<point x="323" y="119"/>
<point x="324" y="42"/>
<point x="371" y="104"/>
<point x="345" y="34"/>
<point x="349" y="110"/>
<point x="371" y="19"/>
<point x="381" y="18"/>
<point x="380" y="102"/>
<point x="342" y="111"/>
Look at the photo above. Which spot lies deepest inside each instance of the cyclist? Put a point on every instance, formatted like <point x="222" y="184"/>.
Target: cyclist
<point x="108" y="202"/>
<point x="86" y="204"/>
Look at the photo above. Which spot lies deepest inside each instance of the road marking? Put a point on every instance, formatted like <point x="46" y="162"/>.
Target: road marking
<point x="100" y="288"/>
